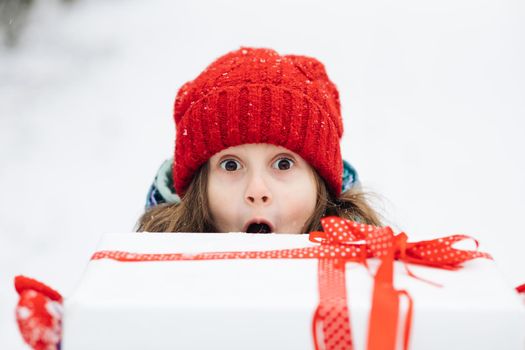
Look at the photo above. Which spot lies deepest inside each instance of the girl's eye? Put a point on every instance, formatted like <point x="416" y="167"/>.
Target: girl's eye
<point x="283" y="164"/>
<point x="230" y="165"/>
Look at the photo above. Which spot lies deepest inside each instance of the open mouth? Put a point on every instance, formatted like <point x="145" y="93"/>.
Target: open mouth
<point x="258" y="227"/>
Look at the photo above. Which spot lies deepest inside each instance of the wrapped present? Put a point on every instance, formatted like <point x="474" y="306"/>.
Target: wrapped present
<point x="352" y="286"/>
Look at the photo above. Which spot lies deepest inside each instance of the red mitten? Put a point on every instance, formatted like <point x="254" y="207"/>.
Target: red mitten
<point x="521" y="290"/>
<point x="39" y="314"/>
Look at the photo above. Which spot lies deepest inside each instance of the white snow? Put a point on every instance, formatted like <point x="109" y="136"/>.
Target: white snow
<point x="23" y="312"/>
<point x="432" y="96"/>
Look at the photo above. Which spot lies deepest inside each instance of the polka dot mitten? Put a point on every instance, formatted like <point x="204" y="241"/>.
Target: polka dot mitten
<point x="39" y="314"/>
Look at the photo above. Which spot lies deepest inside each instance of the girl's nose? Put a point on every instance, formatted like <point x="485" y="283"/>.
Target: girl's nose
<point x="263" y="199"/>
<point x="257" y="193"/>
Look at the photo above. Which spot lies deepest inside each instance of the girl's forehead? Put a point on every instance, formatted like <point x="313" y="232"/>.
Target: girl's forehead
<point x="252" y="149"/>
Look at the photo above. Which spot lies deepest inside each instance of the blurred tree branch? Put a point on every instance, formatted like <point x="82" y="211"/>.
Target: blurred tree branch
<point x="13" y="18"/>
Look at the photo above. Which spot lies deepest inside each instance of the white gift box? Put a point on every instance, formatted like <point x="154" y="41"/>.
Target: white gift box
<point x="269" y="303"/>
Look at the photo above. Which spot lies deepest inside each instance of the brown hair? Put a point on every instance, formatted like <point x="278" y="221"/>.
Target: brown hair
<point x="192" y="214"/>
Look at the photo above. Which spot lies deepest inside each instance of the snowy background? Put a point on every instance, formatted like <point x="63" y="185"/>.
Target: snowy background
<point x="432" y="95"/>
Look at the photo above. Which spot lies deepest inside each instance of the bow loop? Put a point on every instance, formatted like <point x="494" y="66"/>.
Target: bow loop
<point x="337" y="230"/>
<point x="441" y="253"/>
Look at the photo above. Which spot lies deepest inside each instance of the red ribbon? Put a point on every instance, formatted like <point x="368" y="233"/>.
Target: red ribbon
<point x="346" y="241"/>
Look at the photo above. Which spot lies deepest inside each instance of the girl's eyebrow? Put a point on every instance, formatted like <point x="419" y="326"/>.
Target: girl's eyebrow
<point x="281" y="153"/>
<point x="285" y="154"/>
<point x="229" y="155"/>
<point x="239" y="157"/>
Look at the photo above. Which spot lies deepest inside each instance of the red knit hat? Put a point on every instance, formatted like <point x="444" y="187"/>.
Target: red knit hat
<point x="258" y="96"/>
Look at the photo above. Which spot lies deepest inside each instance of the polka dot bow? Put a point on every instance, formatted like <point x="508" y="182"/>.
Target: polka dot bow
<point x="366" y="241"/>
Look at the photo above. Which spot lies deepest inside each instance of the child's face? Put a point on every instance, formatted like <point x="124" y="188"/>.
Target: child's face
<point x="260" y="183"/>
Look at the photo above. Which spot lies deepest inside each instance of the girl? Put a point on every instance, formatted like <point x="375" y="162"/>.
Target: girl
<point x="257" y="150"/>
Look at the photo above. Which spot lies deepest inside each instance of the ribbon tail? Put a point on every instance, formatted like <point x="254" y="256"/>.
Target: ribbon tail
<point x="331" y="322"/>
<point x="317" y="322"/>
<point x="384" y="314"/>
<point x="408" y="319"/>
